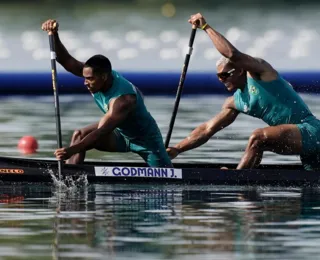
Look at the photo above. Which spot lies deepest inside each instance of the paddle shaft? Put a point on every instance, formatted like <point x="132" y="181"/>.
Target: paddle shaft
<point x="56" y="97"/>
<point x="180" y="86"/>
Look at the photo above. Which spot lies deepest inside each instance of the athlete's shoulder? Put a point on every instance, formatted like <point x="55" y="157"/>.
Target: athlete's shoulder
<point x="122" y="84"/>
<point x="284" y="81"/>
<point x="115" y="73"/>
<point x="118" y="76"/>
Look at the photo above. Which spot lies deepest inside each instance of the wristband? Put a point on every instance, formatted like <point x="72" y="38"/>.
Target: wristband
<point x="204" y="26"/>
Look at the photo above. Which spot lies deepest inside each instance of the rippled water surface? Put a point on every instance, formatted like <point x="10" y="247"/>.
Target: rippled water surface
<point x="158" y="222"/>
<point x="150" y="221"/>
<point x="35" y="116"/>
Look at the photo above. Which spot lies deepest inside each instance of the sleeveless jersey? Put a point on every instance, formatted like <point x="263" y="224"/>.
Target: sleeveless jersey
<point x="140" y="124"/>
<point x="275" y="102"/>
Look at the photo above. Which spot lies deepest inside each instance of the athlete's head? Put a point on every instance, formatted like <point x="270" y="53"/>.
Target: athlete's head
<point x="96" y="72"/>
<point x="229" y="75"/>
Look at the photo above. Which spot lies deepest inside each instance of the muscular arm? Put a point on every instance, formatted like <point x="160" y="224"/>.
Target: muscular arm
<point x="204" y="132"/>
<point x="119" y="109"/>
<point x="65" y="59"/>
<point x="239" y="59"/>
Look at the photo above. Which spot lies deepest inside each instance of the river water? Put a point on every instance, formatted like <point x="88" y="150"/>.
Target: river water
<point x="36" y="116"/>
<point x="40" y="221"/>
<point x="159" y="222"/>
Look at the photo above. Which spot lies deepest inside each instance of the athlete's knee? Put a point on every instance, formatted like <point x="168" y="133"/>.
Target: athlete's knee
<point x="258" y="139"/>
<point x="77" y="135"/>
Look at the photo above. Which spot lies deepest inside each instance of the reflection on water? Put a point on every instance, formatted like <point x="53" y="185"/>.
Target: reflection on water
<point x="159" y="222"/>
<point x="35" y="116"/>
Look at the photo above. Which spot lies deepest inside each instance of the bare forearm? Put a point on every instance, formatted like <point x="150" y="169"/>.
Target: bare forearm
<point x="61" y="52"/>
<point x="204" y="132"/>
<point x="119" y="110"/>
<point x="197" y="138"/>
<point x="221" y="43"/>
<point x="90" y="141"/>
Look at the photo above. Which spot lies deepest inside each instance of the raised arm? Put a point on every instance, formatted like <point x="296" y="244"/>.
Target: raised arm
<point x="239" y="59"/>
<point x="63" y="56"/>
<point x="205" y="131"/>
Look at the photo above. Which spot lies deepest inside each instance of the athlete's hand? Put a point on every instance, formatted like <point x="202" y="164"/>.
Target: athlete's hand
<point x="197" y="19"/>
<point x="50" y="26"/>
<point x="63" y="153"/>
<point x="172" y="152"/>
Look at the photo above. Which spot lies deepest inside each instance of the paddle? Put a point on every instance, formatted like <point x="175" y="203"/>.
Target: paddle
<point x="56" y="96"/>
<point x="180" y="86"/>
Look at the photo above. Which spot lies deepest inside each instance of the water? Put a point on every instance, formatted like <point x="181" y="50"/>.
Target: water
<point x="150" y="221"/>
<point x="153" y="221"/>
<point x="35" y="116"/>
<point x="159" y="222"/>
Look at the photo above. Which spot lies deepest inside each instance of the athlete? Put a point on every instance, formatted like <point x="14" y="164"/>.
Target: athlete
<point x="259" y="91"/>
<point x="126" y="126"/>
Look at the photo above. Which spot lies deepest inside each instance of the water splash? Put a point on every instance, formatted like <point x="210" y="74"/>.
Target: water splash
<point x="69" y="183"/>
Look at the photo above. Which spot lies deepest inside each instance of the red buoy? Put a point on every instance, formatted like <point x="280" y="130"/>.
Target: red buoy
<point x="28" y="145"/>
